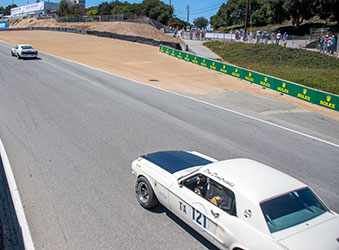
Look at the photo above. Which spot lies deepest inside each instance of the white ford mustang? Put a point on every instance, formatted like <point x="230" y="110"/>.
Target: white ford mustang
<point x="238" y="203"/>
<point x="24" y="51"/>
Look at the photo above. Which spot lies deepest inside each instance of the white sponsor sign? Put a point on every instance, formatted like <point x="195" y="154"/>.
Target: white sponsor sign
<point x="27" y="8"/>
<point x="2" y="25"/>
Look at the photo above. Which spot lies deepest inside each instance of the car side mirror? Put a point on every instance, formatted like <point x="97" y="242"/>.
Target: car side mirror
<point x="181" y="184"/>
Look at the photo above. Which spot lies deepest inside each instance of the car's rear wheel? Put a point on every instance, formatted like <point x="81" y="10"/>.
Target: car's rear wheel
<point x="144" y="193"/>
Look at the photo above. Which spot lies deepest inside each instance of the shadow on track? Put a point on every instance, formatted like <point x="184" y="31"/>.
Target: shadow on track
<point x="159" y="209"/>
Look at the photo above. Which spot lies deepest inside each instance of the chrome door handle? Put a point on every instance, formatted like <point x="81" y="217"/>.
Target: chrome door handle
<point x="214" y="214"/>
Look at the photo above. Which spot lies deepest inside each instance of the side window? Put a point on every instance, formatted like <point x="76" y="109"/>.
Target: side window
<point x="212" y="191"/>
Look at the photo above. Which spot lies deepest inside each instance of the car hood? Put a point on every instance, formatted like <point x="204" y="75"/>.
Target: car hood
<point x="321" y="235"/>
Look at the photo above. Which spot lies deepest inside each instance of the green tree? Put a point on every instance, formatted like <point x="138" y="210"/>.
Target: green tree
<point x="328" y="10"/>
<point x="92" y="11"/>
<point x="63" y="9"/>
<point x="104" y="8"/>
<point x="7" y="11"/>
<point x="176" y="22"/>
<point x="300" y="10"/>
<point x="67" y="8"/>
<point x="157" y="10"/>
<point x="201" y="22"/>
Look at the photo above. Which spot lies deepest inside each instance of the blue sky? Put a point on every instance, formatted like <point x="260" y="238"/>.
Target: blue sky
<point x="206" y="8"/>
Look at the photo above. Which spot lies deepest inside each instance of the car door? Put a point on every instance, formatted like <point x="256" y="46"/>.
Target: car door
<point x="193" y="208"/>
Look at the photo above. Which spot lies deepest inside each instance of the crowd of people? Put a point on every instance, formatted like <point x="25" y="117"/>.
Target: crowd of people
<point x="262" y="36"/>
<point x="327" y="44"/>
<point x="193" y="34"/>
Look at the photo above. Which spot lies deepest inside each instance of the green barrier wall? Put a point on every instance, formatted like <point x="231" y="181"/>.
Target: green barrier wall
<point x="320" y="98"/>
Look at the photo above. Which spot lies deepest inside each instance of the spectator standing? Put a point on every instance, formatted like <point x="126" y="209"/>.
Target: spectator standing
<point x="272" y="37"/>
<point x="333" y="41"/>
<point x="250" y="36"/>
<point x="321" y="39"/>
<point x="278" y="37"/>
<point x="325" y="42"/>
<point x="285" y="36"/>
<point x="329" y="46"/>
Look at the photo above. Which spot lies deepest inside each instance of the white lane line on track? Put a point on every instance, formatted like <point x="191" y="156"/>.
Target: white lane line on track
<point x="207" y="103"/>
<point x="19" y="210"/>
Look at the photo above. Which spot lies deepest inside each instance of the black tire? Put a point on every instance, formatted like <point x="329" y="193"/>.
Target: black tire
<point x="145" y="194"/>
<point x="12" y="53"/>
<point x="18" y="56"/>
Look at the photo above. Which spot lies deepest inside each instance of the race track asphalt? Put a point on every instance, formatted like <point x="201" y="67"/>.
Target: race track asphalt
<point x="71" y="133"/>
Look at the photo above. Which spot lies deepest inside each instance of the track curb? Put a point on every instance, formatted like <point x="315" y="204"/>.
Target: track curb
<point x="19" y="210"/>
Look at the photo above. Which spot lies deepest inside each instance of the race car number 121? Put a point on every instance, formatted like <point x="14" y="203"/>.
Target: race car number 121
<point x="198" y="215"/>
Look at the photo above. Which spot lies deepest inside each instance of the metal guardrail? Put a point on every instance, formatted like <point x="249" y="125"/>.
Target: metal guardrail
<point x="321" y="98"/>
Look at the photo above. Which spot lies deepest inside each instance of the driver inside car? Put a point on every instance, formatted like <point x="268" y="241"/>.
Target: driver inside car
<point x="200" y="188"/>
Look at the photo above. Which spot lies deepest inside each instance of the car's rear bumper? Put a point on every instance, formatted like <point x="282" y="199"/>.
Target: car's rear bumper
<point x="28" y="55"/>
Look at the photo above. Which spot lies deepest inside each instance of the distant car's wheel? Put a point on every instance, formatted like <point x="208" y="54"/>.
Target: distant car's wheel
<point x="144" y="193"/>
<point x="18" y="56"/>
<point x="12" y="53"/>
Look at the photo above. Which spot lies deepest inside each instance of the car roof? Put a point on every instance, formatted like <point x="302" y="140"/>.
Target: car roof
<point x="252" y="179"/>
<point x="25" y="45"/>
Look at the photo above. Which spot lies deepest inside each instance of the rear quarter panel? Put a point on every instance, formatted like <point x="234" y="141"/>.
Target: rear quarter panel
<point x="159" y="179"/>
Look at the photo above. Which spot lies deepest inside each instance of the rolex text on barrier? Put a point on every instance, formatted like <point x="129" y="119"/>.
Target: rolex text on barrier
<point x="317" y="97"/>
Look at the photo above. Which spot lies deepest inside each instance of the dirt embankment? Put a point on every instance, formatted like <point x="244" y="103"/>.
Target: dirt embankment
<point x="124" y="28"/>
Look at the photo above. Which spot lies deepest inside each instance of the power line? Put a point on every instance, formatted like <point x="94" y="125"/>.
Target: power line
<point x="204" y="11"/>
<point x="203" y="8"/>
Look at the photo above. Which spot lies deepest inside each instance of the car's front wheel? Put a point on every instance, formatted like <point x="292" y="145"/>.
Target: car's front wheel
<point x="144" y="193"/>
<point x="18" y="56"/>
<point x="12" y="53"/>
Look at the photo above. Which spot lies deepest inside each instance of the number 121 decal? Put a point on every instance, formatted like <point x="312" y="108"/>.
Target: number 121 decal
<point x="198" y="216"/>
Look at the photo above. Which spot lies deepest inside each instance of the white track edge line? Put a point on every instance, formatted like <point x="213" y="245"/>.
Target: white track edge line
<point x="19" y="210"/>
<point x="207" y="103"/>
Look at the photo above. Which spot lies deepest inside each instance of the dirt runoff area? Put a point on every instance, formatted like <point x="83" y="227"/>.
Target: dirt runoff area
<point x="144" y="63"/>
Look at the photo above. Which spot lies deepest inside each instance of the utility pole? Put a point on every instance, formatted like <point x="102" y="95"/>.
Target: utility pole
<point x="246" y="18"/>
<point x="188" y="14"/>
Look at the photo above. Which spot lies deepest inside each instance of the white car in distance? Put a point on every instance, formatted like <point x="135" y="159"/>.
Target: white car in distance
<point x="24" y="51"/>
<point x="236" y="204"/>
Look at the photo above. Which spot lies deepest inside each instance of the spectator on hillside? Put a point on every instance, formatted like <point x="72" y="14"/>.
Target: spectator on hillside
<point x="329" y="46"/>
<point x="272" y="37"/>
<point x="333" y="45"/>
<point x="321" y="41"/>
<point x="285" y="36"/>
<point x="278" y="37"/>
<point x="267" y="37"/>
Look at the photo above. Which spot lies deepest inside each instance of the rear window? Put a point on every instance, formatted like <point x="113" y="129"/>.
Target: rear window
<point x="291" y="209"/>
<point x="27" y="47"/>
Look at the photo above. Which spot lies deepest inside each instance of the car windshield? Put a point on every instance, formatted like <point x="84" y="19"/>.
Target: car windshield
<point x="26" y="47"/>
<point x="291" y="209"/>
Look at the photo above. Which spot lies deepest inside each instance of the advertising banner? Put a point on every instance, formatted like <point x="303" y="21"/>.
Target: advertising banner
<point x="317" y="97"/>
<point x="27" y="9"/>
<point x="3" y="25"/>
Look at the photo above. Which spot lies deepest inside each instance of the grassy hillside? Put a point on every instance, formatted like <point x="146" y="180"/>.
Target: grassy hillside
<point x="297" y="65"/>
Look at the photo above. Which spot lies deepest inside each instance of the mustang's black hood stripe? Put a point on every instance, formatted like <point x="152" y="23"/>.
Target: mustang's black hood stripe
<point x="174" y="161"/>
